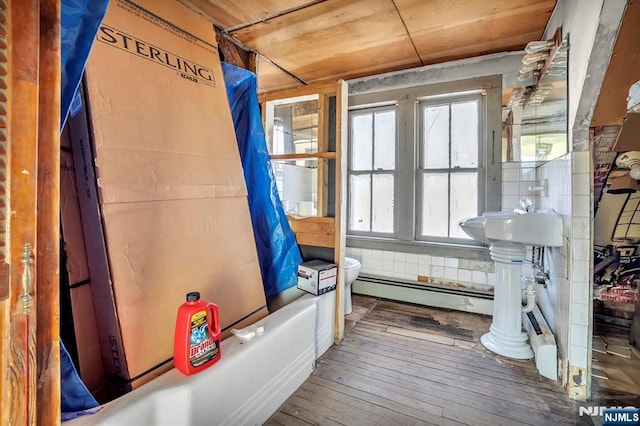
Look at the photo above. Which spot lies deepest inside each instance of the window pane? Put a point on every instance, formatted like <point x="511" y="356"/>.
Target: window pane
<point x="464" y="201"/>
<point x="385" y="141"/>
<point x="297" y="187"/>
<point x="382" y="203"/>
<point x="435" y="208"/>
<point x="295" y="128"/>
<point x="464" y="134"/>
<point x="435" y="152"/>
<point x="360" y="203"/>
<point x="361" y="141"/>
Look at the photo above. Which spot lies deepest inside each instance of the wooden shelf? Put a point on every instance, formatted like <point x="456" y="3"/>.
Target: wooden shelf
<point x="323" y="155"/>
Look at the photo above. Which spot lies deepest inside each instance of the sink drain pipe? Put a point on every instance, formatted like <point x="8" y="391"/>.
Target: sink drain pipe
<point x="530" y="292"/>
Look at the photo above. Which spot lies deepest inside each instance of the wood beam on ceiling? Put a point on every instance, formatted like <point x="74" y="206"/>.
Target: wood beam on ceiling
<point x="335" y="39"/>
<point x="273" y="15"/>
<point x="289" y="73"/>
<point x="236" y="48"/>
<point x="404" y="24"/>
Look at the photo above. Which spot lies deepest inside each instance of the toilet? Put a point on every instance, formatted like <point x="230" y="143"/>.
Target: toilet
<point x="351" y="271"/>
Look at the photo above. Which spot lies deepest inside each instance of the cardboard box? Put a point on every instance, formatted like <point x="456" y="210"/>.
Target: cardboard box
<point x="84" y="317"/>
<point x="317" y="276"/>
<point x="162" y="193"/>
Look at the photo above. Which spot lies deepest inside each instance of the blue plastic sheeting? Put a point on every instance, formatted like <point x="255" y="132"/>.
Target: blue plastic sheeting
<point x="278" y="252"/>
<point x="80" y="20"/>
<point x="75" y="397"/>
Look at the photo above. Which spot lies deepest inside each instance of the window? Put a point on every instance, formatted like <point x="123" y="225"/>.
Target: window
<point x="421" y="162"/>
<point x="450" y="169"/>
<point x="372" y="169"/>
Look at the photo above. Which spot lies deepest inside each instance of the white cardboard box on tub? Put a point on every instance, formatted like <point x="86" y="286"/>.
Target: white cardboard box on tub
<point x="317" y="276"/>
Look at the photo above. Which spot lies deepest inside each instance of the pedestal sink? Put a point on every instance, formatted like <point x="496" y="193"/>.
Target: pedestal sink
<point x="508" y="233"/>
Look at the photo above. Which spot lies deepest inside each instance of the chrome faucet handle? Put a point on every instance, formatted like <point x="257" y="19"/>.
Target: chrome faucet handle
<point x="526" y="204"/>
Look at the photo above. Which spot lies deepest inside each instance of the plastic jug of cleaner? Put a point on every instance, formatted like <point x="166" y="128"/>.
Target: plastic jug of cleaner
<point x="196" y="343"/>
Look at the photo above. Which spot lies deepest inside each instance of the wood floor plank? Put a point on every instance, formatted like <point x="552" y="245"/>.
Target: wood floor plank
<point x="472" y="384"/>
<point x="411" y="365"/>
<point x="411" y="415"/>
<point x="463" y="350"/>
<point x="284" y="419"/>
<point x="471" y="350"/>
<point x="417" y="393"/>
<point x="419" y="323"/>
<point x="351" y="407"/>
<point x="502" y="405"/>
<point x="502" y="371"/>
<point x="380" y="389"/>
<point x="307" y="412"/>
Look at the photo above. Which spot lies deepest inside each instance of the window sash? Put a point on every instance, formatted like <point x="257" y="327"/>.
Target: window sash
<point x="421" y="169"/>
<point x="409" y="156"/>
<point x="372" y="172"/>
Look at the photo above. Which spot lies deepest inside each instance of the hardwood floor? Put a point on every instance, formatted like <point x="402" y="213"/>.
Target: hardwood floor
<point x="413" y="365"/>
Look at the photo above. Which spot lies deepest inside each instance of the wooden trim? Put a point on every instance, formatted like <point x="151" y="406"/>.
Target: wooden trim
<point x="314" y="231"/>
<point x="23" y="135"/>
<point x="4" y="149"/>
<point x="322" y="155"/>
<point x="322" y="182"/>
<point x="315" y="240"/>
<point x="318" y="225"/>
<point x="310" y="89"/>
<point x="48" y="218"/>
<point x="340" y="236"/>
<point x="5" y="336"/>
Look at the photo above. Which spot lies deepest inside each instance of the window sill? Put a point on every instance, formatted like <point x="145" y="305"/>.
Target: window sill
<point x="460" y="251"/>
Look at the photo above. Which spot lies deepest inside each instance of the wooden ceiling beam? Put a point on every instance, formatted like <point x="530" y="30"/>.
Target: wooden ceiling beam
<point x="272" y="16"/>
<point x="407" y="31"/>
<point x="232" y="53"/>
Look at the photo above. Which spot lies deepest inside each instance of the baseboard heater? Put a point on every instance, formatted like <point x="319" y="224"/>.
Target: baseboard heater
<point x="467" y="300"/>
<point x="543" y="343"/>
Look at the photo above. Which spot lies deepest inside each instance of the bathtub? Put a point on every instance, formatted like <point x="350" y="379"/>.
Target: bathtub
<point x="246" y="386"/>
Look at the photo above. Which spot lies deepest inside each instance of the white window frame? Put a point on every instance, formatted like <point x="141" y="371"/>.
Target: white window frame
<point x="420" y="170"/>
<point x="372" y="172"/>
<point x="407" y="100"/>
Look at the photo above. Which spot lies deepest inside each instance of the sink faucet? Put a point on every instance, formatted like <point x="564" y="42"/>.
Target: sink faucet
<point x="526" y="205"/>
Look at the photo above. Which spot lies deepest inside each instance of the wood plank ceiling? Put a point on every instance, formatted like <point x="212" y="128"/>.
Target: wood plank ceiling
<point x="330" y="39"/>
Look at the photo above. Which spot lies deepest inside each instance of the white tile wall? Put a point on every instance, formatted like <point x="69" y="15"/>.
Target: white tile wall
<point x="447" y="271"/>
<point x="567" y="302"/>
<point x="516" y="180"/>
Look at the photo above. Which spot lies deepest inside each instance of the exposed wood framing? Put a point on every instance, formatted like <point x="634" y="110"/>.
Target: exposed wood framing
<point x="18" y="405"/>
<point x="48" y="218"/>
<point x="319" y="155"/>
<point x="322" y="231"/>
<point x="232" y="53"/>
<point x="314" y="231"/>
<point x="4" y="147"/>
<point x="340" y="243"/>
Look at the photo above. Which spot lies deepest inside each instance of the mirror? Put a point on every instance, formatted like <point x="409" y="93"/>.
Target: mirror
<point x="535" y="125"/>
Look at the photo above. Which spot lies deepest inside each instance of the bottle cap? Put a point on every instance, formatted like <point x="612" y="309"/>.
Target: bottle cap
<point x="193" y="296"/>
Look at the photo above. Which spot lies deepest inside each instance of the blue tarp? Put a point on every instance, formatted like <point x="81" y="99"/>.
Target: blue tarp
<point x="80" y="20"/>
<point x="278" y="252"/>
<point x="75" y="398"/>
